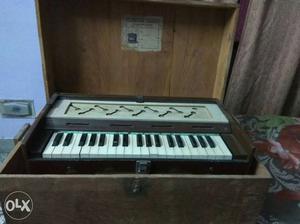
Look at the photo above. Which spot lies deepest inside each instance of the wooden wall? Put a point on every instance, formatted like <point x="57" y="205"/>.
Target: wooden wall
<point x="83" y="54"/>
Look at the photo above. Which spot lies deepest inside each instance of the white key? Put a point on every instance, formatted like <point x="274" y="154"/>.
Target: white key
<point x="144" y="148"/>
<point x="120" y="147"/>
<point x="186" y="153"/>
<point x="177" y="151"/>
<point x="205" y="150"/>
<point x="75" y="153"/>
<point x="111" y="150"/>
<point x="193" y="151"/>
<point x="198" y="152"/>
<point x="85" y="150"/>
<point x="162" y="149"/>
<point x="102" y="150"/>
<point x="211" y="154"/>
<point x="153" y="150"/>
<point x="226" y="152"/>
<point x="94" y="148"/>
<point x="218" y="152"/>
<point x="136" y="150"/>
<point x="66" y="153"/>
<point x="129" y="149"/>
<point x="57" y="151"/>
<point x="49" y="148"/>
<point x="169" y="151"/>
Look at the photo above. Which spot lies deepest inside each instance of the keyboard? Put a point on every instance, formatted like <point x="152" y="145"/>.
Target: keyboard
<point x="111" y="134"/>
<point x="92" y="145"/>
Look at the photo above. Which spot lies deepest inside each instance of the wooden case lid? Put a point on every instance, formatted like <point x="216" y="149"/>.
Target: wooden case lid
<point x="83" y="50"/>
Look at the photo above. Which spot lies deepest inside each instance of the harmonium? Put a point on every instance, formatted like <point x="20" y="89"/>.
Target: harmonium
<point x="134" y="130"/>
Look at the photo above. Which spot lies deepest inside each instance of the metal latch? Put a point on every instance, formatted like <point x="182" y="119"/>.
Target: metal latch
<point x="142" y="166"/>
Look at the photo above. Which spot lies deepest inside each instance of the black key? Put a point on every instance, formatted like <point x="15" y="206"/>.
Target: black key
<point x="157" y="141"/>
<point x="68" y="139"/>
<point x="210" y="141"/>
<point x="139" y="140"/>
<point x="148" y="141"/>
<point x="57" y="139"/>
<point x="102" y="140"/>
<point x="125" y="140"/>
<point x="170" y="141"/>
<point x="202" y="141"/>
<point x="82" y="140"/>
<point x="179" y="141"/>
<point x="193" y="141"/>
<point x="92" y="140"/>
<point x="116" y="140"/>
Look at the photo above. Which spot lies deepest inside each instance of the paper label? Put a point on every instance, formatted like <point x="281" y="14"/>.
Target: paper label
<point x="142" y="33"/>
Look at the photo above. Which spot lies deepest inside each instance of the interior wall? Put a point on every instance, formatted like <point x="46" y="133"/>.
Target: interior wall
<point x="20" y="60"/>
<point x="85" y="54"/>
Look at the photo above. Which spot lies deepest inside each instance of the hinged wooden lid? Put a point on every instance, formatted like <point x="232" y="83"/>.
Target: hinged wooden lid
<point x="84" y="52"/>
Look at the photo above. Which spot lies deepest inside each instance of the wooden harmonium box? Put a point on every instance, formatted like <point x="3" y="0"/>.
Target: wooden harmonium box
<point x="142" y="135"/>
<point x="85" y="158"/>
<point x="174" y="157"/>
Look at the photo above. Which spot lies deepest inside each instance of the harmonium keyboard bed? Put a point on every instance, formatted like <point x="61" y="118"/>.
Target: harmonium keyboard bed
<point x="55" y="147"/>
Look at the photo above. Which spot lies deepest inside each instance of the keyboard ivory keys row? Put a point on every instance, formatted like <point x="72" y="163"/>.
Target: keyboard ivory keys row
<point x="134" y="145"/>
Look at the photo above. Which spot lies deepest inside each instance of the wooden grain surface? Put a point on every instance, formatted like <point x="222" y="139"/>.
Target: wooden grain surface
<point x="225" y="53"/>
<point x="83" y="53"/>
<point x="15" y="162"/>
<point x="45" y="57"/>
<point x="196" y="49"/>
<point x="132" y="199"/>
<point x="210" y="3"/>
